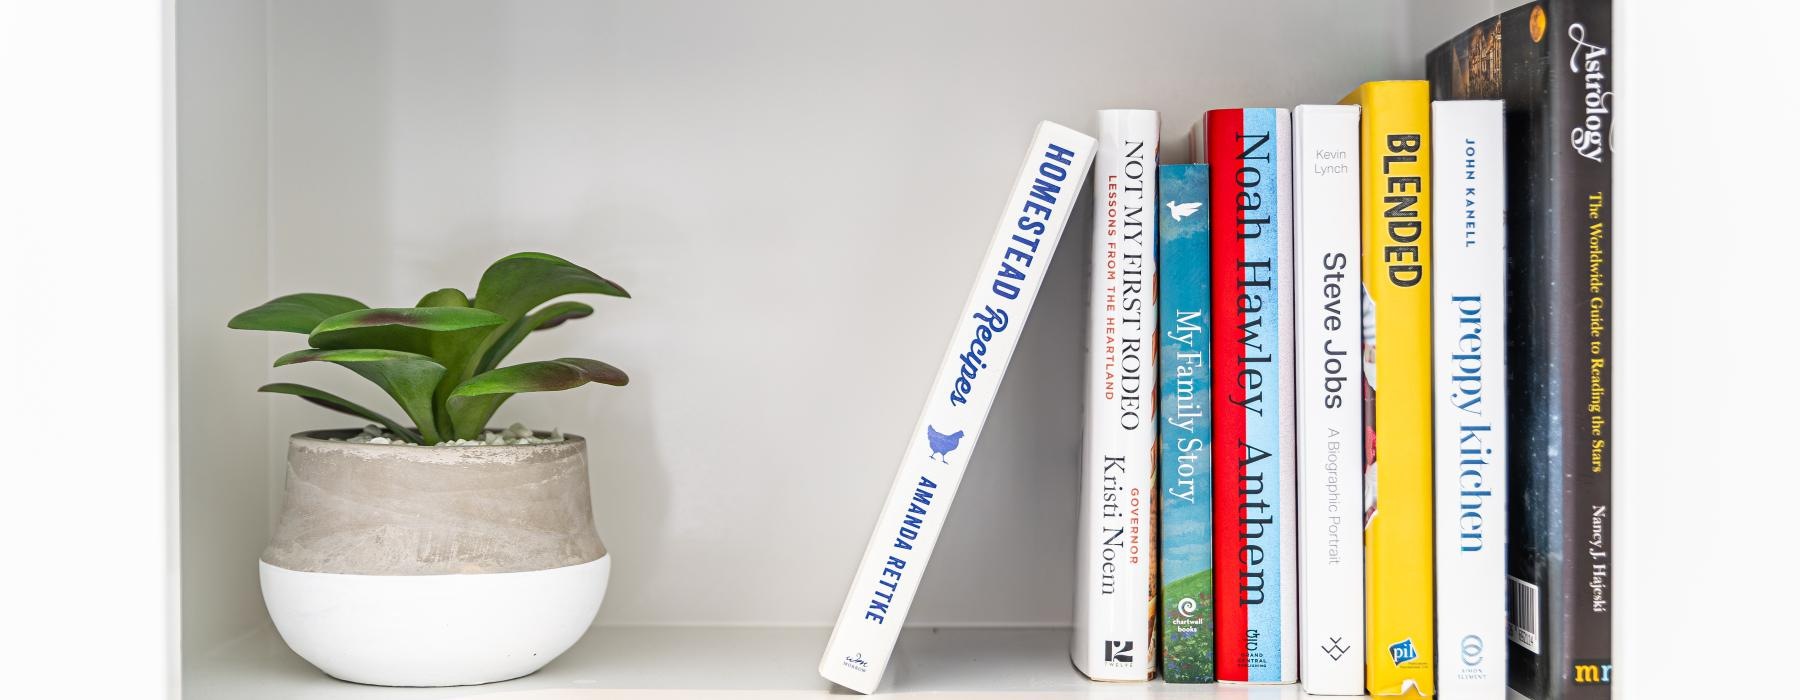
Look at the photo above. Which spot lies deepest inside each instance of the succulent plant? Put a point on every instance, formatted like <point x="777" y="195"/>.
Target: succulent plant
<point x="440" y="360"/>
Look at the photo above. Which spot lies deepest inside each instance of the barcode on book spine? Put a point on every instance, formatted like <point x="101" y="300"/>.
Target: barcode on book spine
<point x="1522" y="614"/>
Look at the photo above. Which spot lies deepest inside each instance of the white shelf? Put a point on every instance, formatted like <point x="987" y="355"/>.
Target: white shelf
<point x="756" y="176"/>
<point x="722" y="662"/>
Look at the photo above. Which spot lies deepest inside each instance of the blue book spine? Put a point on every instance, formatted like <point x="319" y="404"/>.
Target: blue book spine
<point x="1183" y="283"/>
<point x="1255" y="614"/>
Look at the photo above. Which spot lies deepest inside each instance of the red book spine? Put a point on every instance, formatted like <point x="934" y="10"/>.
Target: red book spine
<point x="1231" y="618"/>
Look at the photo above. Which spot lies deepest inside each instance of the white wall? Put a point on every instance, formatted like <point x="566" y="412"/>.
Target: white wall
<point x="87" y="500"/>
<point x="223" y="267"/>
<point x="1704" y="250"/>
<point x="796" y="193"/>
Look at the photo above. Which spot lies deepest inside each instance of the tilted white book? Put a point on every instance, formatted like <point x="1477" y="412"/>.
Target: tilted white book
<point x="1328" y="245"/>
<point x="885" y="582"/>
<point x="1468" y="341"/>
<point x="1115" y="585"/>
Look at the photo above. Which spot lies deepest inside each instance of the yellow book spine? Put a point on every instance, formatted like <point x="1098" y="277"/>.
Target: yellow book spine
<point x="1396" y="226"/>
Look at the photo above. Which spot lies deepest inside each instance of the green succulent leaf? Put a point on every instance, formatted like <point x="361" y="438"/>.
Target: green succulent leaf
<point x="410" y="378"/>
<point x="406" y="330"/>
<point x="546" y="375"/>
<point x="438" y="360"/>
<point x="450" y="335"/>
<point x="341" y="405"/>
<point x="475" y="401"/>
<point x="559" y="313"/>
<point x="518" y="283"/>
<point x="294" y="313"/>
<point x="448" y="296"/>
<point x="545" y="318"/>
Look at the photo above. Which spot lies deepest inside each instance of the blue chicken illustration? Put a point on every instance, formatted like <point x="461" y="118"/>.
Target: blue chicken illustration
<point x="941" y="444"/>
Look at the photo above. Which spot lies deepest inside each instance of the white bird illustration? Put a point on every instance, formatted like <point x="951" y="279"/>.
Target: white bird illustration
<point x="1182" y="211"/>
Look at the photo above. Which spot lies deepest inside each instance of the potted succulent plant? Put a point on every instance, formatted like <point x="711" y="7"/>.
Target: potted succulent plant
<point x="436" y="551"/>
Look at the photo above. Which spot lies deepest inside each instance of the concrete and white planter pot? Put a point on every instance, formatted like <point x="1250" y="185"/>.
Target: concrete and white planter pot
<point x="433" y="566"/>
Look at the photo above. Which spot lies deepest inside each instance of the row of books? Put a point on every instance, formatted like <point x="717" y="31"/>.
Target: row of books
<point x="1296" y="266"/>
<point x="1347" y="421"/>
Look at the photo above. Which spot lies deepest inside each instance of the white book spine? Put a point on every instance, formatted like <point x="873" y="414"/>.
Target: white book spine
<point x="1115" y="587"/>
<point x="1328" y="247"/>
<point x="1469" y="403"/>
<point x="893" y="565"/>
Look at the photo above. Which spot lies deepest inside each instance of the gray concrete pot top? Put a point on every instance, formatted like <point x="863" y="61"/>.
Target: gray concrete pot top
<point x="401" y="510"/>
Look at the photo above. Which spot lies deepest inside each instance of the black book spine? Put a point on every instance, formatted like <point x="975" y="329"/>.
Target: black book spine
<point x="1580" y="312"/>
<point x="1552" y="63"/>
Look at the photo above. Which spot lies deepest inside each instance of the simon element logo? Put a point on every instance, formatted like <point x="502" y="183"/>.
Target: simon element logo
<point x="1471" y="650"/>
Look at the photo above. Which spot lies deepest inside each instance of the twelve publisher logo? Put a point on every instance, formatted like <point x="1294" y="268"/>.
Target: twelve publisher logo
<point x="1403" y="651"/>
<point x="1118" y="651"/>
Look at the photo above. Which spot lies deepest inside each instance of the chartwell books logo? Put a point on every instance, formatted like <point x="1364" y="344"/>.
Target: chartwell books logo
<point x="942" y="444"/>
<point x="1471" y="650"/>
<point x="1593" y="673"/>
<point x="857" y="662"/>
<point x="1403" y="651"/>
<point x="1118" y="652"/>
<point x="1187" y="607"/>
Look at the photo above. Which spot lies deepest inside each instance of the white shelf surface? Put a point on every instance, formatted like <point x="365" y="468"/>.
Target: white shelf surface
<point x="723" y="662"/>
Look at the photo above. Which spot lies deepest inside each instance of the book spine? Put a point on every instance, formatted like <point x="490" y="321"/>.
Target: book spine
<point x="1506" y="58"/>
<point x="1254" y="533"/>
<point x="1115" y="590"/>
<point x="1396" y="233"/>
<point x="1183" y="281"/>
<point x="1579" y="306"/>
<point x="1469" y="366"/>
<point x="1328" y="335"/>
<point x="1552" y="62"/>
<point x="888" y="576"/>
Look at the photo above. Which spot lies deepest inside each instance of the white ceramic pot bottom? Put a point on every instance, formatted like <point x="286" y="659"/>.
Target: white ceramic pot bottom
<point x="440" y="630"/>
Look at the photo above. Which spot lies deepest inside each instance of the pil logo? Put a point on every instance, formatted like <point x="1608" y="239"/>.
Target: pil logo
<point x="1593" y="673"/>
<point x="1403" y="651"/>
